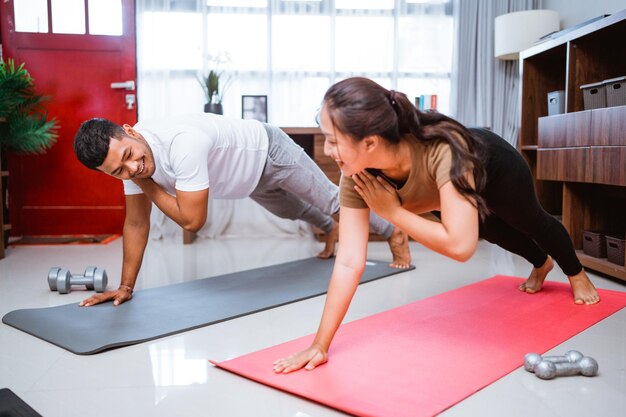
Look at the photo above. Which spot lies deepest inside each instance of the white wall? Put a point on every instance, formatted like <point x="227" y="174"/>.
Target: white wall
<point x="573" y="12"/>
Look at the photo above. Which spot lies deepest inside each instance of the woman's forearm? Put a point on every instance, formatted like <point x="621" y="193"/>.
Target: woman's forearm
<point x="347" y="271"/>
<point x="343" y="284"/>
<point x="454" y="241"/>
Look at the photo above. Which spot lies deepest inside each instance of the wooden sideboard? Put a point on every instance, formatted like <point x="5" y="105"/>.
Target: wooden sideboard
<point x="578" y="158"/>
<point x="312" y="140"/>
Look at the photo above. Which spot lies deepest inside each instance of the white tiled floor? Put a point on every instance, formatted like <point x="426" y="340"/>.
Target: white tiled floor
<point x="171" y="376"/>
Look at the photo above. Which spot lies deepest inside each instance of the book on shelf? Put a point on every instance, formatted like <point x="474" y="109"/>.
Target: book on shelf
<point x="426" y="102"/>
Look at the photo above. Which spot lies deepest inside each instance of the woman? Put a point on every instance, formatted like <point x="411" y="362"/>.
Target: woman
<point x="400" y="162"/>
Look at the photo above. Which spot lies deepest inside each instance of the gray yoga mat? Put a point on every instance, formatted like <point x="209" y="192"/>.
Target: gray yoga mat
<point x="13" y="406"/>
<point x="163" y="311"/>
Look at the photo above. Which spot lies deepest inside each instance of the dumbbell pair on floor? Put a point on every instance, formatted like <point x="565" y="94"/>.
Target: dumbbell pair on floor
<point x="61" y="280"/>
<point x="572" y="363"/>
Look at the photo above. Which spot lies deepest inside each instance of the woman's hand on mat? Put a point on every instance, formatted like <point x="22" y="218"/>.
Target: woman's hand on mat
<point x="309" y="359"/>
<point x="118" y="296"/>
<point x="378" y="194"/>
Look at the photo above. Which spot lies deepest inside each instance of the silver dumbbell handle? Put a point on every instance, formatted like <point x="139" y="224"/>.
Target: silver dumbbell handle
<point x="561" y="359"/>
<point x="94" y="278"/>
<point x="81" y="280"/>
<point x="532" y="359"/>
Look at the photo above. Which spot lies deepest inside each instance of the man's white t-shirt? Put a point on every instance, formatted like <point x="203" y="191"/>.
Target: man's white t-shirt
<point x="204" y="150"/>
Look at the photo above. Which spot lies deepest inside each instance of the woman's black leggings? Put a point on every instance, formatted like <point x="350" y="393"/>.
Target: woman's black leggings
<point x="517" y="222"/>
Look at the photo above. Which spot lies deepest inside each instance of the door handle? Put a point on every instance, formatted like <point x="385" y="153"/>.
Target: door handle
<point x="126" y="85"/>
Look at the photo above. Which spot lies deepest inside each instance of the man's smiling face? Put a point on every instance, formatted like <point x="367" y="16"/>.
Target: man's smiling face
<point x="128" y="157"/>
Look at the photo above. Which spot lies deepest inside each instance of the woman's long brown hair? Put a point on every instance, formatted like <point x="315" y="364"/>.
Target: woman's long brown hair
<point x="358" y="107"/>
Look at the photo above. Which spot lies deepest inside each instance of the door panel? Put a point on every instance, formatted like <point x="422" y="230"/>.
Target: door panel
<point x="53" y="193"/>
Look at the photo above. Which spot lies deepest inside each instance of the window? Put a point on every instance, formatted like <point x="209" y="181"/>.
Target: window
<point x="31" y="15"/>
<point x="68" y="16"/>
<point x="105" y="17"/>
<point x="292" y="51"/>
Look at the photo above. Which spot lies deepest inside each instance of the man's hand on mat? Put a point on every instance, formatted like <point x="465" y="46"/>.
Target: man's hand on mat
<point x="118" y="296"/>
<point x="309" y="359"/>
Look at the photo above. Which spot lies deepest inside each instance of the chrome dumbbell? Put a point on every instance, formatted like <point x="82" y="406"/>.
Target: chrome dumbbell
<point x="586" y="366"/>
<point x="61" y="280"/>
<point x="572" y="363"/>
<point x="532" y="359"/>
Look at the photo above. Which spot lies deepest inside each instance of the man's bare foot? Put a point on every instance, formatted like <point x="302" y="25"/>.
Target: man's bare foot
<point x="331" y="242"/>
<point x="583" y="289"/>
<point x="399" y="245"/>
<point x="534" y="283"/>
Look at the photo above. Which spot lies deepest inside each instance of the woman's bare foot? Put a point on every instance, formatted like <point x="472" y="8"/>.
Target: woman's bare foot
<point x="331" y="242"/>
<point x="399" y="245"/>
<point x="583" y="289"/>
<point x="534" y="283"/>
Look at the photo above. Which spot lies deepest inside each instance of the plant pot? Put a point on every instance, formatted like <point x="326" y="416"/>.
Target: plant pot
<point x="215" y="108"/>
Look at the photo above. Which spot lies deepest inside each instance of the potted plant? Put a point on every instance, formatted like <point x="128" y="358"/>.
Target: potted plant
<point x="24" y="124"/>
<point x="215" y="84"/>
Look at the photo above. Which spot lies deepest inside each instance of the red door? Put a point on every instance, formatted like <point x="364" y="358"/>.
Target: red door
<point x="54" y="194"/>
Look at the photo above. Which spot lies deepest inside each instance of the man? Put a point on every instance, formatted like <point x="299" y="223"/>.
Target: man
<point x="176" y="162"/>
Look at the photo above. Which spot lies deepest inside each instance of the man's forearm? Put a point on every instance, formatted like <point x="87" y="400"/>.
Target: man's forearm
<point x="135" y="240"/>
<point x="187" y="209"/>
<point x="165" y="202"/>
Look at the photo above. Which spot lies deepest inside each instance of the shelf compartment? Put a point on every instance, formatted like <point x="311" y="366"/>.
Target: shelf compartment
<point x="541" y="74"/>
<point x="602" y="265"/>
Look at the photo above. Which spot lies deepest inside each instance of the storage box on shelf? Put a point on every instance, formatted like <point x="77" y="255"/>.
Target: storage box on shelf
<point x="578" y="157"/>
<point x="615" y="89"/>
<point x="556" y="102"/>
<point x="594" y="95"/>
<point x="594" y="243"/>
<point x="615" y="250"/>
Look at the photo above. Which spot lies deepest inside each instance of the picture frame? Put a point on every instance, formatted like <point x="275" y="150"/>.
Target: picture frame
<point x="254" y="107"/>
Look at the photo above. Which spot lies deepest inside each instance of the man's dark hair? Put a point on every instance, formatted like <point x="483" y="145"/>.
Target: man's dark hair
<point x="91" y="143"/>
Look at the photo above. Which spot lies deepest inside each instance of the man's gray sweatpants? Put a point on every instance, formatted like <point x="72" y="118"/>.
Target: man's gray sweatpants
<point x="292" y="186"/>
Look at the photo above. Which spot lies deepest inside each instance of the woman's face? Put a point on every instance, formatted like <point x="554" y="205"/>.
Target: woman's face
<point x="345" y="151"/>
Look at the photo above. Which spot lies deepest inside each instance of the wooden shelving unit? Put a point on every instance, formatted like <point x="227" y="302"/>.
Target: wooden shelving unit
<point x="578" y="159"/>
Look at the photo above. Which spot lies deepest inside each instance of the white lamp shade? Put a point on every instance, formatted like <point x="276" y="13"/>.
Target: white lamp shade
<point x="517" y="31"/>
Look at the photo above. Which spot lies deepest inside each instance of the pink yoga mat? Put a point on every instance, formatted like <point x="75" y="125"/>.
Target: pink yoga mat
<point x="422" y="358"/>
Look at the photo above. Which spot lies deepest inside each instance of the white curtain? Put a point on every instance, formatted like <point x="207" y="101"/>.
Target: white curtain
<point x="485" y="90"/>
<point x="291" y="51"/>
